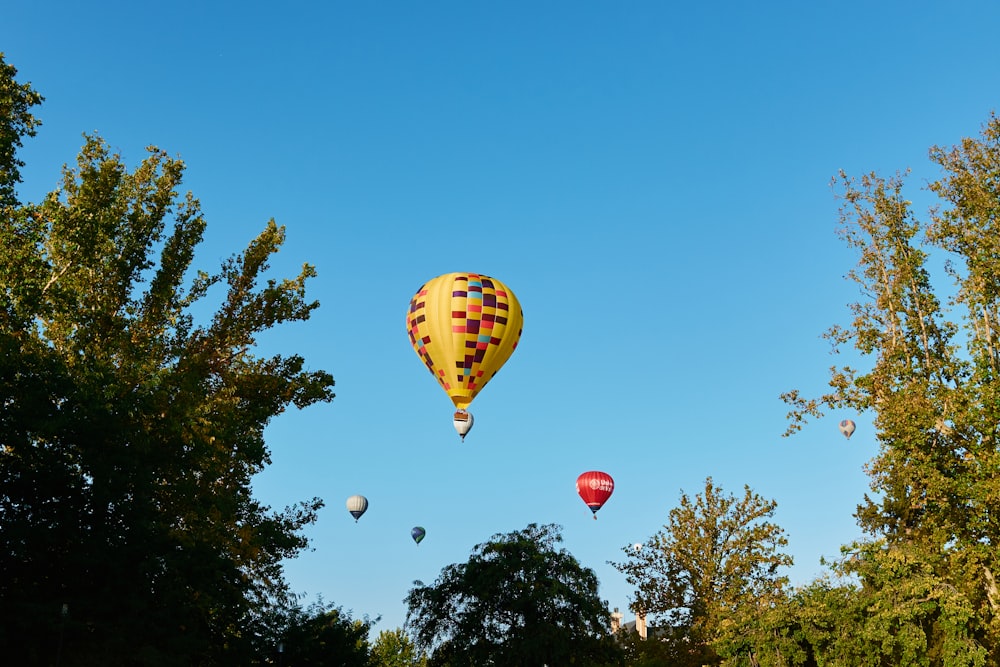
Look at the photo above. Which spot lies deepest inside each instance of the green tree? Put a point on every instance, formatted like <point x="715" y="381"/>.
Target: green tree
<point x="710" y="573"/>
<point x="518" y="601"/>
<point x="322" y="636"/>
<point x="933" y="389"/>
<point x="130" y="430"/>
<point x="664" y="646"/>
<point x="394" y="648"/>
<point x="16" y="122"/>
<point x="823" y="620"/>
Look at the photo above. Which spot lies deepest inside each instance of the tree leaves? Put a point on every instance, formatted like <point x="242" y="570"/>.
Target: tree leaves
<point x="712" y="569"/>
<point x="928" y="594"/>
<point x="16" y="122"/>
<point x="133" y="425"/>
<point x="518" y="600"/>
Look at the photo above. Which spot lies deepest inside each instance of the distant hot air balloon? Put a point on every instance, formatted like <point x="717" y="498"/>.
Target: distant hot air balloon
<point x="463" y="422"/>
<point x="418" y="534"/>
<point x="464" y="327"/>
<point x="847" y="428"/>
<point x="357" y="505"/>
<point x="595" y="488"/>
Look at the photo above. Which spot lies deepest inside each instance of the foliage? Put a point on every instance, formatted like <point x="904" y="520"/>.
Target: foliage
<point x="130" y="431"/>
<point x="517" y="601"/>
<point x="929" y="573"/>
<point x="323" y="636"/>
<point x="901" y="615"/>
<point x="664" y="647"/>
<point x="394" y="648"/>
<point x="16" y="122"/>
<point x="819" y="623"/>
<point x="711" y="573"/>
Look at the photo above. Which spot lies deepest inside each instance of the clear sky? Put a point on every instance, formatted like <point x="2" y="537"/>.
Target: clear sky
<point x="652" y="179"/>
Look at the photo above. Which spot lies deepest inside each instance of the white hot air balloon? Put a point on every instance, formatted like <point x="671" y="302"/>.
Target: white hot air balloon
<point x="463" y="422"/>
<point x="357" y="505"/>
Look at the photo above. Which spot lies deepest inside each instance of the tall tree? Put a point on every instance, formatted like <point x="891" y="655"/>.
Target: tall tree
<point x="130" y="429"/>
<point x="321" y="636"/>
<point x="710" y="572"/>
<point x="394" y="648"/>
<point x="932" y="387"/>
<point x="518" y="601"/>
<point x="16" y="122"/>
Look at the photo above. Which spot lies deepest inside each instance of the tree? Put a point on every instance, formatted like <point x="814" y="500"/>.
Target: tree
<point x="130" y="430"/>
<point x="518" y="601"/>
<point x="323" y="636"/>
<point x="933" y="388"/>
<point x="16" y="122"/>
<point x="394" y="648"/>
<point x="823" y="621"/>
<point x="710" y="573"/>
<point x="663" y="647"/>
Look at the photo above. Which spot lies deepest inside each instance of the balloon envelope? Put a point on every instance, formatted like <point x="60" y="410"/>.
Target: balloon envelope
<point x="357" y="505"/>
<point x="595" y="487"/>
<point x="464" y="327"/>
<point x="847" y="428"/>
<point x="418" y="534"/>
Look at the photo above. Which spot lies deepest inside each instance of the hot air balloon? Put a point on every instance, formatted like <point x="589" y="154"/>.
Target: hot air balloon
<point x="418" y="534"/>
<point x="847" y="428"/>
<point x="595" y="488"/>
<point x="463" y="422"/>
<point x="464" y="327"/>
<point x="357" y="505"/>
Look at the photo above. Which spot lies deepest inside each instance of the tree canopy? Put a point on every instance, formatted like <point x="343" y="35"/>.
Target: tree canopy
<point x="928" y="568"/>
<point x="321" y="635"/>
<point x="518" y="601"/>
<point x="394" y="648"/>
<point x="131" y="423"/>
<point x="710" y="572"/>
<point x="16" y="123"/>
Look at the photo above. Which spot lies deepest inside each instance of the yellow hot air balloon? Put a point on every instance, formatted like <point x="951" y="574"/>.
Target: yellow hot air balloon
<point x="464" y="327"/>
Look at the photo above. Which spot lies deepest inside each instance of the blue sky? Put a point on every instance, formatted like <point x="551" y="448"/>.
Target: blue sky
<point x="651" y="179"/>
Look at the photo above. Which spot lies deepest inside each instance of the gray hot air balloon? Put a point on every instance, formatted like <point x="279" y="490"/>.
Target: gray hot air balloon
<point x="357" y="505"/>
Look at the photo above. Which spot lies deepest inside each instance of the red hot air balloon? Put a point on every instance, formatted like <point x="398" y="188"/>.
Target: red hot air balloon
<point x="595" y="488"/>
